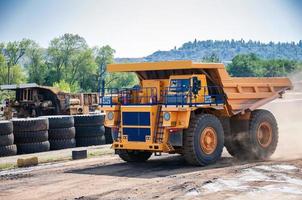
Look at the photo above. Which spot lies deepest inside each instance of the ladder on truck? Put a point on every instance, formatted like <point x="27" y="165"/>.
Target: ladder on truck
<point x="159" y="131"/>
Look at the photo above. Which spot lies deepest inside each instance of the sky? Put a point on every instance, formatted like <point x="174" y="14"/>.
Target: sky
<point x="136" y="28"/>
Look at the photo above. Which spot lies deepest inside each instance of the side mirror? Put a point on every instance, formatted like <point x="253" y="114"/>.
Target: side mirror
<point x="196" y="85"/>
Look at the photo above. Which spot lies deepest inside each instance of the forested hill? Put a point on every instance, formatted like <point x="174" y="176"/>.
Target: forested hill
<point x="225" y="50"/>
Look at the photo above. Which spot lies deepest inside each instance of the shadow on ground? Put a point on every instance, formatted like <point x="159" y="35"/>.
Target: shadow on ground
<point x="155" y="167"/>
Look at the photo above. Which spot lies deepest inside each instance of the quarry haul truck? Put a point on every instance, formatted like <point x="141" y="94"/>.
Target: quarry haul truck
<point x="194" y="109"/>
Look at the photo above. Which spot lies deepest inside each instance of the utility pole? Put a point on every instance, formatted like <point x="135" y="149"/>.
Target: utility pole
<point x="101" y="79"/>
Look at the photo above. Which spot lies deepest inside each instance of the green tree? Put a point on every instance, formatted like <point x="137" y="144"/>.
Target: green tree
<point x="250" y="65"/>
<point x="245" y="66"/>
<point x="16" y="73"/>
<point x="61" y="52"/>
<point x="66" y="87"/>
<point x="84" y="70"/>
<point x="121" y="80"/>
<point x="35" y="64"/>
<point x="13" y="53"/>
<point x="212" y="58"/>
<point x="104" y="56"/>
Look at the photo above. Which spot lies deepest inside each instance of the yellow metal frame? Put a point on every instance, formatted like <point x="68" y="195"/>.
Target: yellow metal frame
<point x="167" y="65"/>
<point x="149" y="144"/>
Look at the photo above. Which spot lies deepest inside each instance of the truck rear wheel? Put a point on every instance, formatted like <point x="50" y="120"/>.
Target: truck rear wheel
<point x="203" y="140"/>
<point x="134" y="156"/>
<point x="263" y="135"/>
<point x="235" y="134"/>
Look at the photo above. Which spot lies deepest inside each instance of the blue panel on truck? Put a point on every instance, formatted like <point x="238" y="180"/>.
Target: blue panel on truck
<point x="136" y="118"/>
<point x="136" y="134"/>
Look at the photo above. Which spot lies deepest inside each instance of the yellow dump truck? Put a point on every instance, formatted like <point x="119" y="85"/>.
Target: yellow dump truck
<point x="194" y="109"/>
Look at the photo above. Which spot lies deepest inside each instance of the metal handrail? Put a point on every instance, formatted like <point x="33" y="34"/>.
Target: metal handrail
<point x="129" y="96"/>
<point x="178" y="96"/>
<point x="185" y="96"/>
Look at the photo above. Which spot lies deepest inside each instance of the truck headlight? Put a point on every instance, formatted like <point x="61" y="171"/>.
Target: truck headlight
<point x="167" y="116"/>
<point x="110" y="115"/>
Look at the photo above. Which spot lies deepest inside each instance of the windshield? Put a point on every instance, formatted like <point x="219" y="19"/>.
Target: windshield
<point x="179" y="85"/>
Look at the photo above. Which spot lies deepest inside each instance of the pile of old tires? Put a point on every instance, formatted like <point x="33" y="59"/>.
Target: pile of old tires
<point x="108" y="135"/>
<point x="7" y="147"/>
<point x="90" y="129"/>
<point x="61" y="133"/>
<point x="31" y="135"/>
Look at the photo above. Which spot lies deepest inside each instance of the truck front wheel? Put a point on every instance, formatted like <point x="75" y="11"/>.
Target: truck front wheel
<point x="134" y="156"/>
<point x="203" y="140"/>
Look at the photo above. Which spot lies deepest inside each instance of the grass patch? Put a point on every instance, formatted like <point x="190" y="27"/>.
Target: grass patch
<point x="91" y="153"/>
<point x="99" y="152"/>
<point x="53" y="159"/>
<point x="5" y="166"/>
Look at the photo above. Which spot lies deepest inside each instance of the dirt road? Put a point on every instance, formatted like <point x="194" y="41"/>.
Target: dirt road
<point x="168" y="177"/>
<point x="161" y="178"/>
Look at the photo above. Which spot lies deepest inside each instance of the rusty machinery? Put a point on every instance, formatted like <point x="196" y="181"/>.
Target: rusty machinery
<point x="32" y="100"/>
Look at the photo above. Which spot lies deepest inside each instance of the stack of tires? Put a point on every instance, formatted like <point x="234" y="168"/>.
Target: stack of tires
<point x="7" y="147"/>
<point x="31" y="135"/>
<point x="61" y="132"/>
<point x="90" y="129"/>
<point x="108" y="135"/>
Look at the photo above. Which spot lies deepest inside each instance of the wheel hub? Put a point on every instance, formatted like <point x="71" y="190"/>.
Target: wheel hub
<point x="208" y="140"/>
<point x="264" y="134"/>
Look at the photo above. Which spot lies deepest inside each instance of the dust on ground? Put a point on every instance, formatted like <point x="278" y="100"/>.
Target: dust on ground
<point x="288" y="112"/>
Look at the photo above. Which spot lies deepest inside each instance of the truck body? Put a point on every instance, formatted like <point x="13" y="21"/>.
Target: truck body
<point x="32" y="100"/>
<point x="189" y="108"/>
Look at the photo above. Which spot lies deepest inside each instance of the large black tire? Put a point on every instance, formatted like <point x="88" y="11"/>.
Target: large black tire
<point x="193" y="151"/>
<point x="108" y="135"/>
<point x="33" y="124"/>
<point x="90" y="141"/>
<point x="6" y="140"/>
<point x="62" y="144"/>
<point x="60" y="121"/>
<point x="234" y="133"/>
<point x="33" y="147"/>
<point x="90" y="131"/>
<point x="61" y="133"/>
<point x="134" y="156"/>
<point x="265" y="121"/>
<point x="9" y="150"/>
<point x="31" y="136"/>
<point x="87" y="120"/>
<point x="6" y="127"/>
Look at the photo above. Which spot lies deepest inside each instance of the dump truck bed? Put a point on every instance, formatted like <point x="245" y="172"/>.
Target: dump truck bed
<point x="242" y="94"/>
<point x="251" y="93"/>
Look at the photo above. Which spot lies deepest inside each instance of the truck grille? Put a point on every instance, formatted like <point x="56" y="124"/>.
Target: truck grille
<point x="136" y="119"/>
<point x="136" y="134"/>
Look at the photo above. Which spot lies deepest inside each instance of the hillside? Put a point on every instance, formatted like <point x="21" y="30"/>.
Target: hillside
<point x="225" y="50"/>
